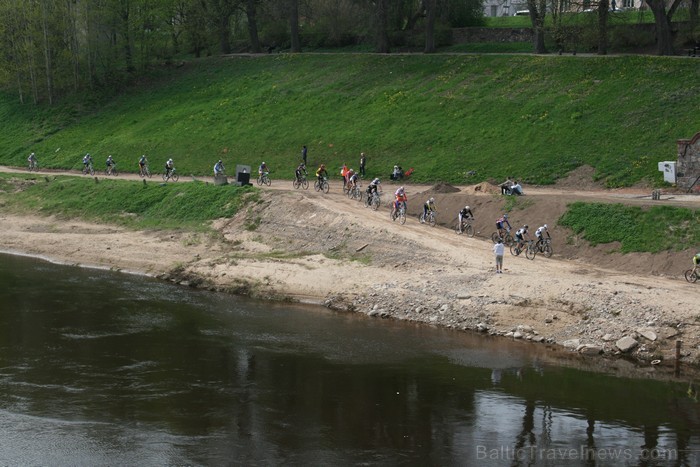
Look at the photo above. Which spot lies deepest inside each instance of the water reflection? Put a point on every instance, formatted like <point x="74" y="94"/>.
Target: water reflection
<point x="104" y="368"/>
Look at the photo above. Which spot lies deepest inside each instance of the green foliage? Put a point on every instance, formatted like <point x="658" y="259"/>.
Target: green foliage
<point x="531" y="117"/>
<point x="651" y="230"/>
<point x="154" y="205"/>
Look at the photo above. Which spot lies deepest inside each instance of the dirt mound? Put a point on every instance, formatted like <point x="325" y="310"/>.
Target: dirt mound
<point x="485" y="187"/>
<point x="444" y="188"/>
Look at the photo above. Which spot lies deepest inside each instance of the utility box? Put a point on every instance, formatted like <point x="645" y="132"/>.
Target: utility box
<point x="242" y="175"/>
<point x="669" y="170"/>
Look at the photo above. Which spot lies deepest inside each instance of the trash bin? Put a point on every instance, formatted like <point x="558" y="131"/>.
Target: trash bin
<point x="243" y="178"/>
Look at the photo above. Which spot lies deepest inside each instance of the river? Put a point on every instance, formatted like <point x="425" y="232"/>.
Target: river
<point x="105" y="368"/>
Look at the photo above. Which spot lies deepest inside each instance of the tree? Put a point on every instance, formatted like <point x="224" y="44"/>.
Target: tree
<point x="662" y="20"/>
<point x="603" y="6"/>
<point x="382" y="21"/>
<point x="538" y="10"/>
<point x="430" y="26"/>
<point x="294" y="26"/>
<point x="251" y="15"/>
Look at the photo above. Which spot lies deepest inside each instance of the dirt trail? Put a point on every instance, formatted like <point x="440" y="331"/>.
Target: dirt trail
<point x="326" y="248"/>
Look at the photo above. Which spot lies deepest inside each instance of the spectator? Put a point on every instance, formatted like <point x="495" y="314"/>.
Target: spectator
<point x="363" y="161"/>
<point x="498" y="250"/>
<point x="303" y="154"/>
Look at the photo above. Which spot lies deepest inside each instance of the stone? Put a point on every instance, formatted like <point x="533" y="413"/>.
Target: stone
<point x="481" y="327"/>
<point x="608" y="337"/>
<point x="517" y="335"/>
<point x="648" y="334"/>
<point x="525" y="328"/>
<point x="626" y="344"/>
<point x="571" y="343"/>
<point x="589" y="349"/>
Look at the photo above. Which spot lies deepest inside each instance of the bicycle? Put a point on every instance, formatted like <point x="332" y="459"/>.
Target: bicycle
<point x="374" y="200"/>
<point x="111" y="170"/>
<point x="465" y="228"/>
<point x="431" y="219"/>
<point x="264" y="179"/>
<point x="321" y="185"/>
<point x="691" y="276"/>
<point x="355" y="192"/>
<point x="88" y="169"/>
<point x="33" y="165"/>
<point x="171" y="175"/>
<point x="517" y="248"/>
<point x="544" y="246"/>
<point x="507" y="239"/>
<point x="400" y="214"/>
<point x="144" y="171"/>
<point x="301" y="182"/>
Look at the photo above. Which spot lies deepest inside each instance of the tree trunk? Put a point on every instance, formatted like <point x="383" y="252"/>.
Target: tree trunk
<point x="603" y="27"/>
<point x="251" y="14"/>
<point x="420" y="13"/>
<point x="126" y="35"/>
<point x="430" y="26"/>
<point x="694" y="13"/>
<point x="47" y="52"/>
<point x="538" y="11"/>
<point x="294" y="26"/>
<point x="382" y="14"/>
<point x="224" y="34"/>
<point x="662" y="20"/>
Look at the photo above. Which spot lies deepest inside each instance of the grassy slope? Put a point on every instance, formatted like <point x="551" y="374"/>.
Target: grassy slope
<point x="532" y="117"/>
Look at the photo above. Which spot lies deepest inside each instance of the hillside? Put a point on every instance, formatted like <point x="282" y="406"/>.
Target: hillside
<point x="448" y="116"/>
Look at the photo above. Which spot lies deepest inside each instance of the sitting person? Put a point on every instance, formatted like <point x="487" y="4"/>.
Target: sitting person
<point x="505" y="186"/>
<point x="516" y="189"/>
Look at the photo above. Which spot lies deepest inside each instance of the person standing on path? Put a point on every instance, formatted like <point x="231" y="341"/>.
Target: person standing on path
<point x="498" y="250"/>
<point x="303" y="153"/>
<point x="363" y="161"/>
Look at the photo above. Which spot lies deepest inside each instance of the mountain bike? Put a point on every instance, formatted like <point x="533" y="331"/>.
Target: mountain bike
<point x="431" y="218"/>
<point x="171" y="175"/>
<point x="507" y="239"/>
<point x="88" y="169"/>
<point x="545" y="247"/>
<point x="321" y="185"/>
<point x="400" y="214"/>
<point x="516" y="249"/>
<point x="264" y="179"/>
<point x="144" y="171"/>
<point x="691" y="276"/>
<point x="465" y="228"/>
<point x="33" y="165"/>
<point x="111" y="170"/>
<point x="355" y="192"/>
<point x="374" y="200"/>
<point x="301" y="182"/>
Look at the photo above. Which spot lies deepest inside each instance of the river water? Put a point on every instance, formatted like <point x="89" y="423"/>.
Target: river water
<point x="104" y="368"/>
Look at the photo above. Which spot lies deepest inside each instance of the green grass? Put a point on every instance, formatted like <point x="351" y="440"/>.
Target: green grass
<point x="638" y="230"/>
<point x="162" y="206"/>
<point x="530" y="117"/>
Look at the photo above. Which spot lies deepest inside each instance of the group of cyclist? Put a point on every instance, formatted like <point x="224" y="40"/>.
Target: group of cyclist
<point x="522" y="234"/>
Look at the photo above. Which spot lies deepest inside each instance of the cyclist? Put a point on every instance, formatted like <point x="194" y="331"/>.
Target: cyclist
<point x="32" y="160"/>
<point x="169" y="167"/>
<point x="520" y="235"/>
<point x="300" y="170"/>
<point x="263" y="169"/>
<point x="401" y="198"/>
<point x="348" y="174"/>
<point x="352" y="180"/>
<point x="427" y="207"/>
<point x="696" y="261"/>
<point x="464" y="214"/>
<point x="539" y="233"/>
<point x="500" y="225"/>
<point x="142" y="164"/>
<point x="321" y="173"/>
<point x="87" y="161"/>
<point x="372" y="188"/>
<point x="219" y="168"/>
<point x="110" y="162"/>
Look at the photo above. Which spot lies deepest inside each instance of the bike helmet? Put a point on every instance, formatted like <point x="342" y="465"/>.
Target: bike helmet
<point x="220" y="161"/>
<point x="467" y="208"/>
<point x="505" y="216"/>
<point x="432" y="200"/>
<point x="323" y="166"/>
<point x="170" y="160"/>
<point x="401" y="189"/>
<point x="545" y="226"/>
<point x="263" y="163"/>
<point x="526" y="226"/>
